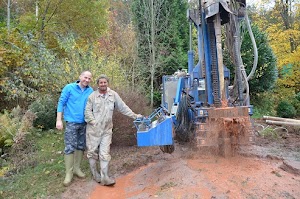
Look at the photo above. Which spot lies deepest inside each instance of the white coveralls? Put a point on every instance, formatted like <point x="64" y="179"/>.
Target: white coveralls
<point x="99" y="111"/>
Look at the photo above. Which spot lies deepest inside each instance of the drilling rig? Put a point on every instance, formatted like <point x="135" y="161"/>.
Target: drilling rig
<point x="203" y="104"/>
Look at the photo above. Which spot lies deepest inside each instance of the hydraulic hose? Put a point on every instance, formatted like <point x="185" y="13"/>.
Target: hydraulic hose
<point x="254" y="47"/>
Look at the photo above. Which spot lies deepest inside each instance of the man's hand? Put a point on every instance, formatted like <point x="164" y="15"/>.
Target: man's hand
<point x="93" y="123"/>
<point x="139" y="116"/>
<point x="59" y="125"/>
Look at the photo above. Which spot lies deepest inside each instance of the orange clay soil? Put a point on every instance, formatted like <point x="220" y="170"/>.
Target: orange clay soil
<point x="256" y="172"/>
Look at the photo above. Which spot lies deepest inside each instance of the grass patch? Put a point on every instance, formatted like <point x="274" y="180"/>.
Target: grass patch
<point x="269" y="132"/>
<point x="44" y="176"/>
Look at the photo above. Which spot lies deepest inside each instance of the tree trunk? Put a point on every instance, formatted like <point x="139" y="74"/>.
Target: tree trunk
<point x="152" y="47"/>
<point x="8" y="17"/>
<point x="37" y="10"/>
<point x="286" y="17"/>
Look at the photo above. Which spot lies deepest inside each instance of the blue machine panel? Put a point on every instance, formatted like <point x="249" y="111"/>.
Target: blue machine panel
<point x="158" y="135"/>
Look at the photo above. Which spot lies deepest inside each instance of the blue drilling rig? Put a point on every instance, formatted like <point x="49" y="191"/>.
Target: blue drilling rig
<point x="203" y="104"/>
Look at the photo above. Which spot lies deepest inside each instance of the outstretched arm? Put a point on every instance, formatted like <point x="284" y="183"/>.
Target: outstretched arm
<point x="123" y="108"/>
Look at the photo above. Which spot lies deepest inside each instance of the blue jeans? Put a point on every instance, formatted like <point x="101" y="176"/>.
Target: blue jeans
<point x="75" y="137"/>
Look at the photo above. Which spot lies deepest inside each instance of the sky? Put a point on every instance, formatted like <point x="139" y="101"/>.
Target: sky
<point x="250" y="2"/>
<point x="258" y="3"/>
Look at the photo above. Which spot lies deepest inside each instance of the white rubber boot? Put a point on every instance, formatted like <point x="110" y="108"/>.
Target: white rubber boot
<point x="94" y="170"/>
<point x="105" y="179"/>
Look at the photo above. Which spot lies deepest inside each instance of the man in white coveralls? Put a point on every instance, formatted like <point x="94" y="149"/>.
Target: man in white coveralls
<point x="98" y="115"/>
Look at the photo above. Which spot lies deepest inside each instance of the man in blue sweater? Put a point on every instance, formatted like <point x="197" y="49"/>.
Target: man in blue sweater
<point x="72" y="104"/>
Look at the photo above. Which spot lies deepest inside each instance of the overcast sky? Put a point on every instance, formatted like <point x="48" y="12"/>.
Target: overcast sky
<point x="251" y="2"/>
<point x="259" y="4"/>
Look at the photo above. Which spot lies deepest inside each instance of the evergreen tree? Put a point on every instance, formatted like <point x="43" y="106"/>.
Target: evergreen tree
<point x="266" y="74"/>
<point x="162" y="35"/>
<point x="174" y="41"/>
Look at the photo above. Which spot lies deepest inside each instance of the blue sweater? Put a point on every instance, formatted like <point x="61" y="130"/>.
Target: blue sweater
<point x="72" y="102"/>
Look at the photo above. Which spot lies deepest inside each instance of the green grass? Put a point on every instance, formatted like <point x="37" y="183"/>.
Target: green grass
<point x="269" y="132"/>
<point x="43" y="179"/>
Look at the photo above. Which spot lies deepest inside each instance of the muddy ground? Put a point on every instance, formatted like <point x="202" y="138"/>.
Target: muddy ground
<point x="269" y="168"/>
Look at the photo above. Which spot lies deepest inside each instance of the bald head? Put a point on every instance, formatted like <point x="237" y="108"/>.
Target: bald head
<point x="86" y="73"/>
<point x="85" y="78"/>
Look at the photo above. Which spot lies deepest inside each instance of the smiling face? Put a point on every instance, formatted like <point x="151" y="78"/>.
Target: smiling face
<point x="102" y="85"/>
<point x="85" y="78"/>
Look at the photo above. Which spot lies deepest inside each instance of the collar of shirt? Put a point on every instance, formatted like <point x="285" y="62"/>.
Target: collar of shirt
<point x="103" y="95"/>
<point x="82" y="89"/>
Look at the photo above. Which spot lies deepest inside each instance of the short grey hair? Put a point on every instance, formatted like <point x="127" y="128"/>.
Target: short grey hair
<point x="102" y="76"/>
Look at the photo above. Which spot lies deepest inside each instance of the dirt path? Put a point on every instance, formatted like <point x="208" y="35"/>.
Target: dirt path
<point x="263" y="170"/>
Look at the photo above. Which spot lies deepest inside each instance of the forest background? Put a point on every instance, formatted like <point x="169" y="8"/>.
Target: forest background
<point x="45" y="44"/>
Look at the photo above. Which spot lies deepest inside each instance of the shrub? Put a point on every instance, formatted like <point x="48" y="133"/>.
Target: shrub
<point x="45" y="110"/>
<point x="15" y="125"/>
<point x="8" y="129"/>
<point x="296" y="103"/>
<point x="263" y="104"/>
<point x="298" y="96"/>
<point x="286" y="109"/>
